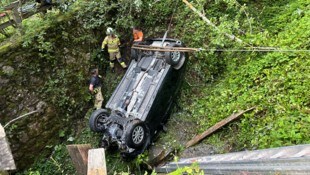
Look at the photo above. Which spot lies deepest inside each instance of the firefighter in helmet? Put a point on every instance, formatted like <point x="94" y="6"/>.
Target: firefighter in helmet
<point x="113" y="43"/>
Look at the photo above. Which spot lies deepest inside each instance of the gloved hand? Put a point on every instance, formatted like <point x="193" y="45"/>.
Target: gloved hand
<point x="96" y="91"/>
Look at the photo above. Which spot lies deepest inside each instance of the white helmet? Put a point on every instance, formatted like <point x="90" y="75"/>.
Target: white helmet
<point x="110" y="31"/>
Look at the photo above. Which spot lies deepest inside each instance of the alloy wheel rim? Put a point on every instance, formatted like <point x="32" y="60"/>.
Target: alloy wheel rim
<point x="138" y="134"/>
<point x="175" y="56"/>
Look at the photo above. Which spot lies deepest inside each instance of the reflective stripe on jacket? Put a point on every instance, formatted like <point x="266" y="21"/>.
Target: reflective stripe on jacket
<point x="112" y="43"/>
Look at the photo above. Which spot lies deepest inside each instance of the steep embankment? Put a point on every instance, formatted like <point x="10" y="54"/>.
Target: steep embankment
<point x="277" y="83"/>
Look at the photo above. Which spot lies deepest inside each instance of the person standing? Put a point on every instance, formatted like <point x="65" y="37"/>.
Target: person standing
<point x="137" y="34"/>
<point x="113" y="43"/>
<point x="95" y="88"/>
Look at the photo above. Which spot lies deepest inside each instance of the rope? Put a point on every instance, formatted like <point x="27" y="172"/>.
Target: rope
<point x="254" y="50"/>
<point x="25" y="115"/>
<point x="187" y="49"/>
<point x="174" y="8"/>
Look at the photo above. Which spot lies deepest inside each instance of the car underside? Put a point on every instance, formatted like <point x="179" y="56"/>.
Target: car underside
<point x="143" y="99"/>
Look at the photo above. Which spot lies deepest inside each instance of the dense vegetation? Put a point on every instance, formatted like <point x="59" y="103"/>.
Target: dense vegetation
<point x="220" y="79"/>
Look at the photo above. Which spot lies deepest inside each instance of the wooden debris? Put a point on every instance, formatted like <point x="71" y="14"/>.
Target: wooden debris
<point x="96" y="162"/>
<point x="6" y="157"/>
<point x="165" y="49"/>
<point x="215" y="127"/>
<point x="79" y="156"/>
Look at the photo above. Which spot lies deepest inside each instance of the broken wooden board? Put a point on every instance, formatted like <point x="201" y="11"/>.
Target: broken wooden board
<point x="215" y="127"/>
<point x="6" y="157"/>
<point x="96" y="162"/>
<point x="79" y="156"/>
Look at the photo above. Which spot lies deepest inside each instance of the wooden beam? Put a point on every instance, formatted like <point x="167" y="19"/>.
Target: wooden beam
<point x="96" y="162"/>
<point x="6" y="24"/>
<point x="16" y="16"/>
<point x="6" y="157"/>
<point x="215" y="127"/>
<point x="79" y="156"/>
<point x="165" y="49"/>
<point x="12" y="5"/>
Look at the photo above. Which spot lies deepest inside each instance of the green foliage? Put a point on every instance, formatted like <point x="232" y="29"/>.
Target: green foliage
<point x="190" y="170"/>
<point x="217" y="83"/>
<point x="98" y="14"/>
<point x="57" y="163"/>
<point x="274" y="82"/>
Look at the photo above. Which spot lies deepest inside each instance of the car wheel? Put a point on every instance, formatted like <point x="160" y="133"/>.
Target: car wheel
<point x="176" y="59"/>
<point x="98" y="119"/>
<point x="133" y="154"/>
<point x="136" y="134"/>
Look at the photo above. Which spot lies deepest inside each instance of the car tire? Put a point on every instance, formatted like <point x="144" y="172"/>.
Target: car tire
<point x="98" y="119"/>
<point x="136" y="134"/>
<point x="128" y="156"/>
<point x="176" y="59"/>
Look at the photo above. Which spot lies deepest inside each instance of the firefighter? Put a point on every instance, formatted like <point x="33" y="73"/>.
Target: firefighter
<point x="137" y="34"/>
<point x="113" y="43"/>
<point x="95" y="88"/>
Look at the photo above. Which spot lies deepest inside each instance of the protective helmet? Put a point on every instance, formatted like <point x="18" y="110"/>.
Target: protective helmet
<point x="110" y="31"/>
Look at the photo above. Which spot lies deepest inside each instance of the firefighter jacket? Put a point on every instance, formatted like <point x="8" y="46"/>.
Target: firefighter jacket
<point x="112" y="42"/>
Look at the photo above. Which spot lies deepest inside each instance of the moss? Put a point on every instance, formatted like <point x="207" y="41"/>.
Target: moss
<point x="5" y="48"/>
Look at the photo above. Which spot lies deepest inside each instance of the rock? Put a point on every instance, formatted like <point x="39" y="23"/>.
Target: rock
<point x="41" y="106"/>
<point x="66" y="50"/>
<point x="87" y="56"/>
<point x="196" y="151"/>
<point x="23" y="137"/>
<point x="158" y="154"/>
<point x="3" y="82"/>
<point x="70" y="60"/>
<point x="8" y="70"/>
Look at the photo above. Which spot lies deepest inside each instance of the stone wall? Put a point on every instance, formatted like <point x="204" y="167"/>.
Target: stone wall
<point x="57" y="77"/>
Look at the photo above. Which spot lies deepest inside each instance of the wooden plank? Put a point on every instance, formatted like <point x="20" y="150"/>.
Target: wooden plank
<point x="78" y="154"/>
<point x="12" y="5"/>
<point x="6" y="157"/>
<point x="215" y="127"/>
<point x="2" y="133"/>
<point x="96" y="162"/>
<point x="165" y="49"/>
<point x="6" y="24"/>
<point x="16" y="16"/>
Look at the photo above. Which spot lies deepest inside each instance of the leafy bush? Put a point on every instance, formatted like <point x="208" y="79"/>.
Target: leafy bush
<point x="274" y="82"/>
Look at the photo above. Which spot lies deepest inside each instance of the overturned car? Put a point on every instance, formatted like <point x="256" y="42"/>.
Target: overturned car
<point x="143" y="99"/>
